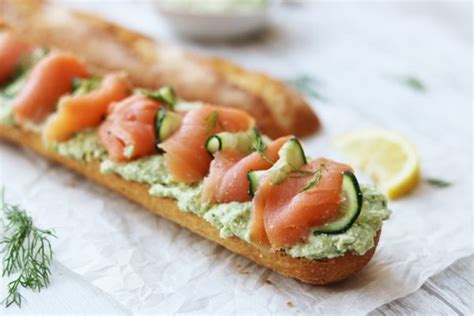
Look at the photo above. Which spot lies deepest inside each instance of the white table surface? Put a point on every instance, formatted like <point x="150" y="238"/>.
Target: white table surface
<point x="450" y="291"/>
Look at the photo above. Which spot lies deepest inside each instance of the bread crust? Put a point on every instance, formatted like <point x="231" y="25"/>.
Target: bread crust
<point x="279" y="109"/>
<point x="317" y="272"/>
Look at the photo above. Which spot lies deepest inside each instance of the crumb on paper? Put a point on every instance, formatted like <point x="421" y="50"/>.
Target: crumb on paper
<point x="238" y="265"/>
<point x="268" y="282"/>
<point x="244" y="272"/>
<point x="290" y="304"/>
<point x="72" y="183"/>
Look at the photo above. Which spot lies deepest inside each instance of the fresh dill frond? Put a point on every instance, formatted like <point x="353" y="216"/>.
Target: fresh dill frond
<point x="27" y="251"/>
<point x="211" y="121"/>
<point x="260" y="147"/>
<point x="315" y="179"/>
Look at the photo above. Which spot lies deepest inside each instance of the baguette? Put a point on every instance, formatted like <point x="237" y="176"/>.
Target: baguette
<point x="278" y="108"/>
<point x="318" y="272"/>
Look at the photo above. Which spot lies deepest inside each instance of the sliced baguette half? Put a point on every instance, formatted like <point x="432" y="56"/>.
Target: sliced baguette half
<point x="309" y="271"/>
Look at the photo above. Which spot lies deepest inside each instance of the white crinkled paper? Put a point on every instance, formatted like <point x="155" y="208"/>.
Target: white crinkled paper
<point x="151" y="265"/>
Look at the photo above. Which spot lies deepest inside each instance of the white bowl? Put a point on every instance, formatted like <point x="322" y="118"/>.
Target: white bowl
<point x="214" y="25"/>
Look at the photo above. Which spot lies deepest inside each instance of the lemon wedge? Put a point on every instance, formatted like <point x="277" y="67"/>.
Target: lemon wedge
<point x="389" y="158"/>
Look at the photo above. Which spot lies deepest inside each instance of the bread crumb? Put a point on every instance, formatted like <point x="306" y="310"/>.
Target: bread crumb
<point x="268" y="282"/>
<point x="290" y="304"/>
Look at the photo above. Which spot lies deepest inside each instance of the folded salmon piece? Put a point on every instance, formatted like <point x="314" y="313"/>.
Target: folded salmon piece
<point x="128" y="132"/>
<point x="186" y="157"/>
<point x="284" y="214"/>
<point x="227" y="180"/>
<point x="49" y="79"/>
<point x="76" y="112"/>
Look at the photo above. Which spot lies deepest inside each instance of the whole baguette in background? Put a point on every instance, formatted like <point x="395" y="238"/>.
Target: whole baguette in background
<point x="318" y="272"/>
<point x="279" y="109"/>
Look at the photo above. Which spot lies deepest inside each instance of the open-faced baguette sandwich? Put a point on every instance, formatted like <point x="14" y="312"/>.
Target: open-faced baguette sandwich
<point x="104" y="46"/>
<point x="205" y="167"/>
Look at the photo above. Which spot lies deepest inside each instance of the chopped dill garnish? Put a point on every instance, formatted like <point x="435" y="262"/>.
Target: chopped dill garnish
<point x="439" y="183"/>
<point x="413" y="83"/>
<point x="315" y="179"/>
<point x="211" y="121"/>
<point x="27" y="251"/>
<point x="259" y="146"/>
<point x="409" y="81"/>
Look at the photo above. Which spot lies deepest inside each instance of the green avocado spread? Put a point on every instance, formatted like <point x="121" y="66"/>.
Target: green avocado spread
<point x="82" y="146"/>
<point x="7" y="94"/>
<point x="232" y="219"/>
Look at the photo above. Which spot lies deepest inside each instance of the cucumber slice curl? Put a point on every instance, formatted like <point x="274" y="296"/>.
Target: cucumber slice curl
<point x="291" y="158"/>
<point x="349" y="208"/>
<point x="166" y="123"/>
<point x="166" y="95"/>
<point x="241" y="141"/>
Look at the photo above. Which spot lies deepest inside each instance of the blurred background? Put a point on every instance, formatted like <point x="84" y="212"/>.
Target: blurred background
<point x="386" y="60"/>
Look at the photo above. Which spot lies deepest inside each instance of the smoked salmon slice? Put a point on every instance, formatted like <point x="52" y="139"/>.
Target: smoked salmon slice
<point x="186" y="158"/>
<point x="283" y="214"/>
<point x="49" y="79"/>
<point x="128" y="132"/>
<point x="11" y="53"/>
<point x="227" y="179"/>
<point x="76" y="112"/>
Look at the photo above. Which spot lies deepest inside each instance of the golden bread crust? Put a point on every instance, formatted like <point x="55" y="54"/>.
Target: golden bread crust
<point x="309" y="271"/>
<point x="279" y="109"/>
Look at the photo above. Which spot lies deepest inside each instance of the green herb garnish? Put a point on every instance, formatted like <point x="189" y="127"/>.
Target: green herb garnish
<point x="211" y="121"/>
<point x="413" y="83"/>
<point x="306" y="85"/>
<point x="27" y="251"/>
<point x="27" y="62"/>
<point x="81" y="86"/>
<point x="439" y="183"/>
<point x="165" y="94"/>
<point x="315" y="179"/>
<point x="259" y="146"/>
<point x="410" y="81"/>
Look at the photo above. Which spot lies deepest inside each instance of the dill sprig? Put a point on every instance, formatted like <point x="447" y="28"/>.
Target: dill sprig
<point x="27" y="251"/>
<point x="211" y="121"/>
<point x="259" y="146"/>
<point x="315" y="179"/>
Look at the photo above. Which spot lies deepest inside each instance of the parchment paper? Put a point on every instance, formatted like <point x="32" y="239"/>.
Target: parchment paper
<point x="151" y="265"/>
